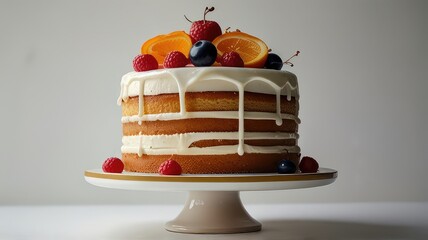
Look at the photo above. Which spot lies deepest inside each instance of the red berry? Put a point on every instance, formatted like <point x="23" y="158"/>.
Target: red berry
<point x="308" y="165"/>
<point x="175" y="59"/>
<point x="231" y="59"/>
<point x="170" y="167"/>
<point x="113" y="165"/>
<point x="205" y="29"/>
<point x="145" y="62"/>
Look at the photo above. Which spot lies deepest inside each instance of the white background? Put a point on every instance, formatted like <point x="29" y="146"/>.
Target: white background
<point x="362" y="74"/>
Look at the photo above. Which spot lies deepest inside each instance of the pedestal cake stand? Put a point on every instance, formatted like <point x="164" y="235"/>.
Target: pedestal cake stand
<point x="213" y="204"/>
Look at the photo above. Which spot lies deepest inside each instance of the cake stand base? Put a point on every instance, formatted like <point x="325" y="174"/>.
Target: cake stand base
<point x="213" y="204"/>
<point x="213" y="212"/>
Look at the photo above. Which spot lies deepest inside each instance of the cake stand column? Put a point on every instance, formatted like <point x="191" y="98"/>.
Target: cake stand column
<point x="213" y="212"/>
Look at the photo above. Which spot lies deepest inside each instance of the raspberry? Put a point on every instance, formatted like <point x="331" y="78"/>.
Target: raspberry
<point x="113" y="165"/>
<point x="170" y="167"/>
<point x="145" y="62"/>
<point x="308" y="165"/>
<point x="204" y="29"/>
<point x="231" y="59"/>
<point x="175" y="59"/>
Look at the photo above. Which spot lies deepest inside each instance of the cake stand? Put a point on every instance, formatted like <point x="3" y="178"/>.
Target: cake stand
<point x="213" y="204"/>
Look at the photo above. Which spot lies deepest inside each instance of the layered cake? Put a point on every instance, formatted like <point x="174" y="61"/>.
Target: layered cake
<point x="209" y="119"/>
<point x="208" y="102"/>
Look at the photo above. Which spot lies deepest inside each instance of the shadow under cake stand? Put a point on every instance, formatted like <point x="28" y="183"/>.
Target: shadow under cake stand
<point x="213" y="204"/>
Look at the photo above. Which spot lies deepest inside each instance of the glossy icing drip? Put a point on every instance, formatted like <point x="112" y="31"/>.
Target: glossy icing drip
<point x="182" y="80"/>
<point x="210" y="114"/>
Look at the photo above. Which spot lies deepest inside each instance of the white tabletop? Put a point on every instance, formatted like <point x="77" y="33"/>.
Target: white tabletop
<point x="287" y="221"/>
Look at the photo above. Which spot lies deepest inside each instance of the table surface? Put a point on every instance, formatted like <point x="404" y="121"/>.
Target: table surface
<point x="280" y="221"/>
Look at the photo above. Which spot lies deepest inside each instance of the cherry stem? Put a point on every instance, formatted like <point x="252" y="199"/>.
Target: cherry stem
<point x="207" y="10"/>
<point x="288" y="60"/>
<point x="190" y="21"/>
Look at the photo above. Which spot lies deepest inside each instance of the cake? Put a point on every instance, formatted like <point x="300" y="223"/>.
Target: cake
<point x="209" y="102"/>
<point x="209" y="119"/>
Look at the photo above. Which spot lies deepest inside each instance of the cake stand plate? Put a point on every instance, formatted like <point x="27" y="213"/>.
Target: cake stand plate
<point x="213" y="204"/>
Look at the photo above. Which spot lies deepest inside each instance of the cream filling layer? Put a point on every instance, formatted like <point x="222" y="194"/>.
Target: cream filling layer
<point x="217" y="150"/>
<point x="180" y="143"/>
<point x="211" y="114"/>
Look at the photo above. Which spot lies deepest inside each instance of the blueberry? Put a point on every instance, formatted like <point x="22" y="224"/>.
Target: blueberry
<point x="286" y="166"/>
<point x="203" y="53"/>
<point x="273" y="62"/>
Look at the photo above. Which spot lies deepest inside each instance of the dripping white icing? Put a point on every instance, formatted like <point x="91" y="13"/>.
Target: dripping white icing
<point x="182" y="80"/>
<point x="211" y="114"/>
<point x="216" y="150"/>
<point x="182" y="142"/>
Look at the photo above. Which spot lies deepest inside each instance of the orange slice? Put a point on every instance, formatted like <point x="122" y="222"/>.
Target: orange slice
<point x="252" y="50"/>
<point x="161" y="45"/>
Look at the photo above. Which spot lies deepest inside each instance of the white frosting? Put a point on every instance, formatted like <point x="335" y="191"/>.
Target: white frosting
<point x="210" y="114"/>
<point x="190" y="79"/>
<point x="216" y="150"/>
<point x="200" y="80"/>
<point x="181" y="143"/>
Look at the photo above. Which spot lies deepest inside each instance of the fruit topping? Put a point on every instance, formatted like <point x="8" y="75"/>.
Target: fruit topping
<point x="145" y="62"/>
<point x="205" y="45"/>
<point x="203" y="53"/>
<point x="273" y="61"/>
<point x="113" y="165"/>
<point x="170" y="167"/>
<point x="204" y="29"/>
<point x="286" y="167"/>
<point x="308" y="165"/>
<point x="175" y="59"/>
<point x="252" y="50"/>
<point x="161" y="45"/>
<point x="231" y="59"/>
